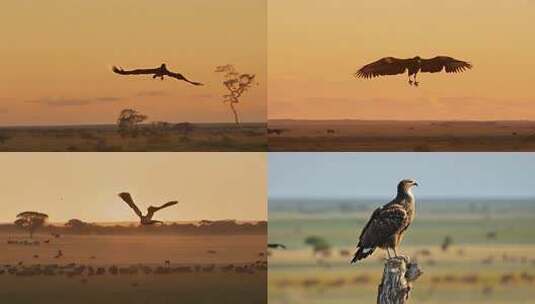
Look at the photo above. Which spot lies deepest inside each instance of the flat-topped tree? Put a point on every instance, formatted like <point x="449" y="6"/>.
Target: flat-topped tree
<point x="237" y="84"/>
<point x="128" y="122"/>
<point x="31" y="221"/>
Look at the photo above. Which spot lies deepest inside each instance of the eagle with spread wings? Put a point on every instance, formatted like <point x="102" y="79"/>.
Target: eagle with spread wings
<point x="388" y="223"/>
<point x="147" y="218"/>
<point x="157" y="72"/>
<point x="394" y="66"/>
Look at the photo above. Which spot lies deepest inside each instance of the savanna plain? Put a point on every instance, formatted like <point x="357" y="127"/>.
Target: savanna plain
<point x="201" y="262"/>
<point x="471" y="251"/>
<point x="147" y="137"/>
<point x="397" y="136"/>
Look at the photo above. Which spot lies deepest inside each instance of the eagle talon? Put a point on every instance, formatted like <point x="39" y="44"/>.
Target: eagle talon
<point x="410" y="82"/>
<point x="416" y="83"/>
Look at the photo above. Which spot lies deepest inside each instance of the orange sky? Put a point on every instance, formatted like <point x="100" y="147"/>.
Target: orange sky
<point x="315" y="46"/>
<point x="85" y="185"/>
<point x="56" y="58"/>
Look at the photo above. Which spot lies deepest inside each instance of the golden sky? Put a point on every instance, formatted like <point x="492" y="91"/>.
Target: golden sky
<point x="85" y="185"/>
<point x="315" y="46"/>
<point x="56" y="59"/>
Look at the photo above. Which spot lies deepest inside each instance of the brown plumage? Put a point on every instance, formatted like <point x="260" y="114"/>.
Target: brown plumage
<point x="157" y="72"/>
<point x="387" y="224"/>
<point x="394" y="66"/>
<point x="144" y="219"/>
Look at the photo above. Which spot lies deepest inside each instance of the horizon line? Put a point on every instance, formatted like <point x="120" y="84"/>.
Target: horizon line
<point x="402" y="120"/>
<point x="113" y="124"/>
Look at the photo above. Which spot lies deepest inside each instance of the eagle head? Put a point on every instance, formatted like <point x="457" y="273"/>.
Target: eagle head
<point x="407" y="184"/>
<point x="417" y="58"/>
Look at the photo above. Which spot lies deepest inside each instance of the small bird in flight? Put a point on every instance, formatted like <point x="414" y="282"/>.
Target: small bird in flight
<point x="157" y="72"/>
<point x="276" y="246"/>
<point x="395" y="66"/>
<point x="388" y="223"/>
<point x="145" y="219"/>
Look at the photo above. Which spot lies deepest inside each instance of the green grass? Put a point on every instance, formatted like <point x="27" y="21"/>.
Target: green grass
<point x="296" y="276"/>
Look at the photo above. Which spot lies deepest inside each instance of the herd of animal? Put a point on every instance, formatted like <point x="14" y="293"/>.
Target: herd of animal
<point x="83" y="271"/>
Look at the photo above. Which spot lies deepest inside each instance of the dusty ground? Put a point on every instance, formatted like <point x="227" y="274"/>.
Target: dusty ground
<point x="198" y="269"/>
<point x="203" y="137"/>
<point x="417" y="136"/>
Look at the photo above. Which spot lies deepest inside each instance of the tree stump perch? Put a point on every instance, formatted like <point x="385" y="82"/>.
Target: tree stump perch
<point x="396" y="285"/>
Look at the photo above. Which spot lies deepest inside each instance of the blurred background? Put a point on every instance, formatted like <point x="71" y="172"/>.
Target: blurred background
<point x="473" y="235"/>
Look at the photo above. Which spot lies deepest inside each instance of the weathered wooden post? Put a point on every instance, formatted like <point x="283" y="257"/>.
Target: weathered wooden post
<point x="396" y="285"/>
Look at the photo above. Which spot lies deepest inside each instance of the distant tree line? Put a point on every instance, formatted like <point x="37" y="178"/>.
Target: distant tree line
<point x="76" y="226"/>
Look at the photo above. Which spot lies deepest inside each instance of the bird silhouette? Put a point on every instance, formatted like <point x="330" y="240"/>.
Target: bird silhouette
<point x="394" y="66"/>
<point x="147" y="218"/>
<point x="276" y="246"/>
<point x="157" y="72"/>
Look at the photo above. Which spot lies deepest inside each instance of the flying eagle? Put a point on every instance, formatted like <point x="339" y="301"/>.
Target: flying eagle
<point x="157" y="72"/>
<point x="145" y="219"/>
<point x="395" y="66"/>
<point x="276" y="246"/>
<point x="388" y="223"/>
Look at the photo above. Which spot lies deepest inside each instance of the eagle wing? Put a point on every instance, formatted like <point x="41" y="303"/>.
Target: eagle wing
<point x="438" y="63"/>
<point x="120" y="71"/>
<point x="153" y="209"/>
<point x="128" y="199"/>
<point x="384" y="223"/>
<point x="275" y="245"/>
<point x="181" y="77"/>
<point x="382" y="67"/>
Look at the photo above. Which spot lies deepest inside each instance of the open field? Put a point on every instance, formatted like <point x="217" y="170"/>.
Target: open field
<point x="134" y="269"/>
<point x="201" y="137"/>
<point x="413" y="136"/>
<point x="491" y="259"/>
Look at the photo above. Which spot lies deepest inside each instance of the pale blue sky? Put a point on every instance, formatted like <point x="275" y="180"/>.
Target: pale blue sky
<point x="340" y="175"/>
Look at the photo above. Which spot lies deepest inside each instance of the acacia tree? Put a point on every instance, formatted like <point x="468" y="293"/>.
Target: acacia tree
<point x="31" y="221"/>
<point x="128" y="121"/>
<point x="77" y="225"/>
<point x="319" y="245"/>
<point x="236" y="84"/>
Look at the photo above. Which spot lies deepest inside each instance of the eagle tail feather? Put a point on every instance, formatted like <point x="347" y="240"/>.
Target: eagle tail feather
<point x="362" y="253"/>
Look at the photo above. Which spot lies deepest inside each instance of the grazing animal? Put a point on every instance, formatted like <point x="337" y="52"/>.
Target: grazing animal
<point x="276" y="246"/>
<point x="147" y="218"/>
<point x="47" y="242"/>
<point x="395" y="66"/>
<point x="157" y="72"/>
<point x="59" y="254"/>
<point x="388" y="223"/>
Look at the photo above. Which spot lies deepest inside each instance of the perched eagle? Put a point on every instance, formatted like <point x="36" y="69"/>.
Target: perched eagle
<point x="157" y="72"/>
<point x="388" y="223"/>
<point x="147" y="218"/>
<point x="395" y="66"/>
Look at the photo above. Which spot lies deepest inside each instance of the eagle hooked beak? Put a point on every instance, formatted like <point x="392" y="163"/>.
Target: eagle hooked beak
<point x="416" y="184"/>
